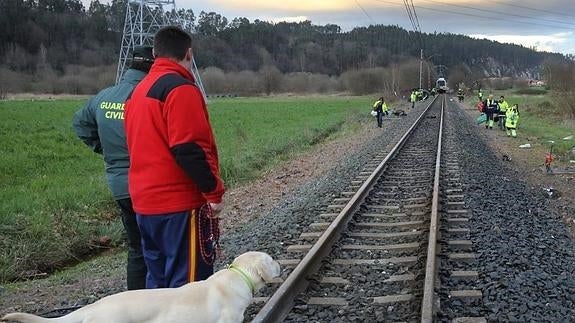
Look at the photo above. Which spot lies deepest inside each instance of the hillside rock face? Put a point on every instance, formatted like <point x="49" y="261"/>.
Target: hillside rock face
<point x="490" y="67"/>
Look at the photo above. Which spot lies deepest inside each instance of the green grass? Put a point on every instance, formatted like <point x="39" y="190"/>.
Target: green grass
<point x="55" y="200"/>
<point x="54" y="196"/>
<point x="541" y="120"/>
<point x="254" y="133"/>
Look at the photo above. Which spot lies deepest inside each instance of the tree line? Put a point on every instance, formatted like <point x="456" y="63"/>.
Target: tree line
<point x="44" y="40"/>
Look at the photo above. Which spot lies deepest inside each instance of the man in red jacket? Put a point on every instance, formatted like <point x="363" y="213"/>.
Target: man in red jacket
<point x="174" y="169"/>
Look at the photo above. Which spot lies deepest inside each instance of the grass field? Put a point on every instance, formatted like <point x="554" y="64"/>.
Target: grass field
<point x="541" y="121"/>
<point x="55" y="202"/>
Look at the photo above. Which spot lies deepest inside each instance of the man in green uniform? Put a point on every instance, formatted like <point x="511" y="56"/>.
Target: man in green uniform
<point x="100" y="125"/>
<point x="413" y="98"/>
<point x="503" y="106"/>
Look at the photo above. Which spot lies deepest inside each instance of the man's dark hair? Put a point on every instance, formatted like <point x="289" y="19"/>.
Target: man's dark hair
<point x="172" y="42"/>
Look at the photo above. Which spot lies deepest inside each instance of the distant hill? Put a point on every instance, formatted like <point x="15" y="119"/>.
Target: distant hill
<point x="52" y="35"/>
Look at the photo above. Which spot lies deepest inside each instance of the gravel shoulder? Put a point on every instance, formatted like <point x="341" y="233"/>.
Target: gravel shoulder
<point x="526" y="254"/>
<point x="529" y="163"/>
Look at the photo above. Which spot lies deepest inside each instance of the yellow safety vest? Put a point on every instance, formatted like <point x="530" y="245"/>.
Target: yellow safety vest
<point x="511" y="118"/>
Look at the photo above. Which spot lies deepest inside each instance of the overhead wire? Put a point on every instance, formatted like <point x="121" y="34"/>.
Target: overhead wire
<point x="365" y="12"/>
<point x="478" y="16"/>
<point x="418" y="25"/>
<point x="416" y="18"/>
<point x="539" y="10"/>
<point x="412" y="18"/>
<point x="498" y="12"/>
<point x="409" y="14"/>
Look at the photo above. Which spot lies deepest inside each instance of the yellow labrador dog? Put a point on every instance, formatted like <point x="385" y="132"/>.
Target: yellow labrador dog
<point x="222" y="298"/>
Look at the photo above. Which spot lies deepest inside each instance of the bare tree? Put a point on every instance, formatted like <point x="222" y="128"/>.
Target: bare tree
<point x="271" y="78"/>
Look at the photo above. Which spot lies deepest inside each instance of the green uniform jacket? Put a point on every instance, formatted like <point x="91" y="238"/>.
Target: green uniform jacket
<point x="100" y="124"/>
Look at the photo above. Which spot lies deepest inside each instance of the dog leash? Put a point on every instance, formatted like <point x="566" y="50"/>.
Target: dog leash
<point x="209" y="234"/>
<point x="244" y="276"/>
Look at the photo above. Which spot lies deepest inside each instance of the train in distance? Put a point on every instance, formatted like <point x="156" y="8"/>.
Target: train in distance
<point x="441" y="85"/>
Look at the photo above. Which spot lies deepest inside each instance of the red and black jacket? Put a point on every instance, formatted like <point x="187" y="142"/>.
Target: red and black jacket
<point x="173" y="154"/>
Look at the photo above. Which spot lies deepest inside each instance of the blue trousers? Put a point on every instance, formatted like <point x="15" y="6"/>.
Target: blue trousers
<point x="170" y="243"/>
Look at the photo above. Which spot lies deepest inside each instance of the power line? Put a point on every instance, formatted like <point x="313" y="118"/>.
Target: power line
<point x="412" y="18"/>
<point x="409" y="14"/>
<point x="533" y="9"/>
<point x="498" y="12"/>
<point x="365" y="12"/>
<point x="479" y="16"/>
<point x="418" y="25"/>
<point x="416" y="18"/>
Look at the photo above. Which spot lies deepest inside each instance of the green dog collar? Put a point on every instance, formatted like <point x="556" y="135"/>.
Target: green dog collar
<point x="244" y="276"/>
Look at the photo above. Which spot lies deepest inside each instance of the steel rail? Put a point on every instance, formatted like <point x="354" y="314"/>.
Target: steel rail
<point x="427" y="304"/>
<point x="281" y="302"/>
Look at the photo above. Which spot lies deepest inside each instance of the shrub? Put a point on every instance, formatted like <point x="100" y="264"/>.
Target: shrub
<point x="532" y="91"/>
<point x="214" y="80"/>
<point x="566" y="103"/>
<point x="365" y="81"/>
<point x="11" y="81"/>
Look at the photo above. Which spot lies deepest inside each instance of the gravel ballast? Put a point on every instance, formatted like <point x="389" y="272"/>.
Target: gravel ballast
<point x="526" y="256"/>
<point x="287" y="220"/>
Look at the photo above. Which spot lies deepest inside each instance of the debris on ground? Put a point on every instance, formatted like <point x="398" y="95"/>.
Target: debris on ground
<point x="525" y="146"/>
<point x="506" y="158"/>
<point x="399" y="113"/>
<point x="568" y="137"/>
<point x="551" y="192"/>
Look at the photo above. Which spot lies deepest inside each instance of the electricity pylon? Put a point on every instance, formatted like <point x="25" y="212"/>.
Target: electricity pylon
<point x="143" y="19"/>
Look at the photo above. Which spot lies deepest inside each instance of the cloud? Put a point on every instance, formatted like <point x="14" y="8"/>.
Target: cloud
<point x="550" y="43"/>
<point x="290" y="5"/>
<point x="434" y="16"/>
<point x="287" y="19"/>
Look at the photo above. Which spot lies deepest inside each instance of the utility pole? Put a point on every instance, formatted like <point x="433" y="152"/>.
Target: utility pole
<point x="420" y="66"/>
<point x="428" y="75"/>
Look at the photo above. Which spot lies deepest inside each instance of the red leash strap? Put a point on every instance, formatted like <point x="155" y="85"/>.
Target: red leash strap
<point x="209" y="234"/>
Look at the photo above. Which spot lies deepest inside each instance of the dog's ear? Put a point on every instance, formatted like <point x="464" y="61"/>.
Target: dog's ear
<point x="267" y="268"/>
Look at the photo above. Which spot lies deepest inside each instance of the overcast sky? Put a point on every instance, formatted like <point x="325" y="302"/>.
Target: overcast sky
<point x="545" y="24"/>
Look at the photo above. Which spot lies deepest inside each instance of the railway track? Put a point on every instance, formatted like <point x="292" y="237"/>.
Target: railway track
<point x="375" y="261"/>
<point x="377" y="253"/>
<point x="373" y="256"/>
